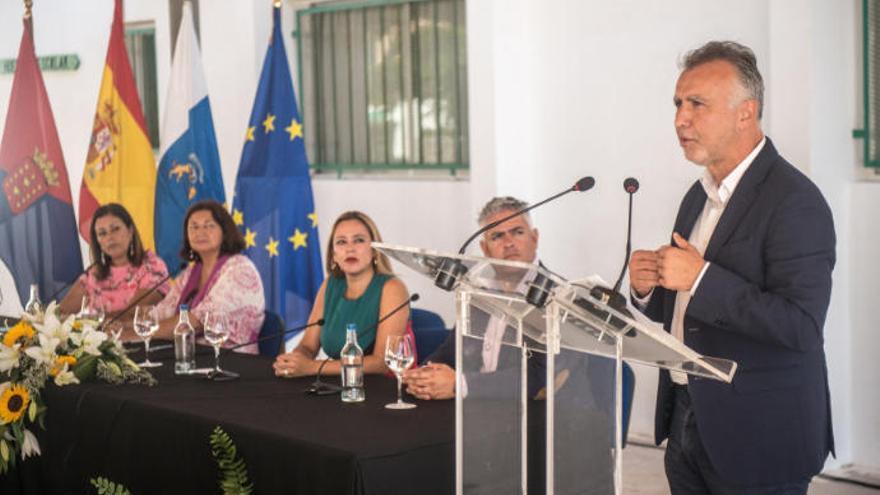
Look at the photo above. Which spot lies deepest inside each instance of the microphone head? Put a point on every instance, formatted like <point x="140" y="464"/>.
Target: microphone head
<point x="584" y="184"/>
<point x="319" y="322"/>
<point x="413" y="298"/>
<point x="630" y="185"/>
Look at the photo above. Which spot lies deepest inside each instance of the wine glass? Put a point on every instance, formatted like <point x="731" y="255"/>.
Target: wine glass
<point x="114" y="330"/>
<point x="92" y="310"/>
<point x="146" y="323"/>
<point x="216" y="333"/>
<point x="399" y="357"/>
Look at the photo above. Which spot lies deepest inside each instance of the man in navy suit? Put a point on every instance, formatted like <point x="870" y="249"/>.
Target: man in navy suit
<point x="747" y="277"/>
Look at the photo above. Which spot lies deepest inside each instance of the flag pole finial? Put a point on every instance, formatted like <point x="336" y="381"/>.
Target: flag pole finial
<point x="27" y="8"/>
<point x="276" y="4"/>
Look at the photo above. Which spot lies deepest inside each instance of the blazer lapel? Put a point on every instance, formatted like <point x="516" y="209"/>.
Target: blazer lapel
<point x="690" y="209"/>
<point x="742" y="199"/>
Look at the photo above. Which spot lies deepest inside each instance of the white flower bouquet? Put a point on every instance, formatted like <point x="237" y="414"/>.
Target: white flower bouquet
<point x="42" y="347"/>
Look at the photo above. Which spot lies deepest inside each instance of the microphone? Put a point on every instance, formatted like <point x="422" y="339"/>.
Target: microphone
<point x="275" y="335"/>
<point x="631" y="186"/>
<point x="613" y="297"/>
<point x="140" y="298"/>
<point x="450" y="270"/>
<point x="68" y="284"/>
<point x="319" y="387"/>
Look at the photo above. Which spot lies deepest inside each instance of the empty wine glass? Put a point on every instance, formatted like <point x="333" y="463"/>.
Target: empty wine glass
<point x="216" y="333"/>
<point x="146" y="323"/>
<point x="92" y="310"/>
<point x="115" y="331"/>
<point x="399" y="357"/>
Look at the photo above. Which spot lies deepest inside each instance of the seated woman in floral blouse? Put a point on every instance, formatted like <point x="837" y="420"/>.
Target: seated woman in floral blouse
<point x="121" y="269"/>
<point x="219" y="279"/>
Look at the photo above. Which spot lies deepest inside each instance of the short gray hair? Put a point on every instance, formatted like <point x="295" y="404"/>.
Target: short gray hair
<point x="740" y="56"/>
<point x="502" y="203"/>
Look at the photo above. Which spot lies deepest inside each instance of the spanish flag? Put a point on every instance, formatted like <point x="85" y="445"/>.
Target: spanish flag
<point x="120" y="167"/>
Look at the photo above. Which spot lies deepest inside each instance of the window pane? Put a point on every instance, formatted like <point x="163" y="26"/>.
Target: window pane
<point x="385" y="85"/>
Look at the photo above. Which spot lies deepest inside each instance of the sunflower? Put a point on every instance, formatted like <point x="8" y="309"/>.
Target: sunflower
<point x="13" y="403"/>
<point x="60" y="361"/>
<point x="19" y="330"/>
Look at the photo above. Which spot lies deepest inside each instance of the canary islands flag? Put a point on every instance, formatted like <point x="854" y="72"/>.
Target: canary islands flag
<point x="189" y="169"/>
<point x="38" y="241"/>
<point x="273" y="202"/>
<point x="120" y="167"/>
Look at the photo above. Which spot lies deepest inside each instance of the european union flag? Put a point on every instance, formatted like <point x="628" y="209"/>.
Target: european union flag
<point x="273" y="202"/>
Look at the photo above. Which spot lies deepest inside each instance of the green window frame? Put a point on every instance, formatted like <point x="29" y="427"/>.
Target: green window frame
<point x="140" y="42"/>
<point x="382" y="85"/>
<point x="870" y="131"/>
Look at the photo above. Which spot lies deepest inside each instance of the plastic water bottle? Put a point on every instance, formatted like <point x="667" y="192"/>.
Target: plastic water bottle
<point x="352" y="358"/>
<point x="34" y="306"/>
<point x="184" y="344"/>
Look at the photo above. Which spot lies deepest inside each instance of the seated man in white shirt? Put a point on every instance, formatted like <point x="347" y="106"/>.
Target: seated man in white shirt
<point x="513" y="240"/>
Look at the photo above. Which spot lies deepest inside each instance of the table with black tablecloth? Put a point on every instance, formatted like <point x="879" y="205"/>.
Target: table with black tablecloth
<point x="156" y="439"/>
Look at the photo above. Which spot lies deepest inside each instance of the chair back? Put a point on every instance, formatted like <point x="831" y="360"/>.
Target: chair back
<point x="429" y="331"/>
<point x="273" y="325"/>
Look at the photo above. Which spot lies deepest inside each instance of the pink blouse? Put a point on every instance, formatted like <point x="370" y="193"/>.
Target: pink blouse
<point x="120" y="286"/>
<point x="236" y="290"/>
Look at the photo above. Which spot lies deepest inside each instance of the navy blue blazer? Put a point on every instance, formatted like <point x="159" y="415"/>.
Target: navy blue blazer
<point x="762" y="303"/>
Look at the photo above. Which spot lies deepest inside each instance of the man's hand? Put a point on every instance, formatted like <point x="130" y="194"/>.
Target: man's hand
<point x="643" y="272"/>
<point x="679" y="265"/>
<point x="432" y="381"/>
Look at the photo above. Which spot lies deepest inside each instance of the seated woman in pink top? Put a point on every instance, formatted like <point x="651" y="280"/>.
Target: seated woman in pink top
<point x="122" y="270"/>
<point x="218" y="280"/>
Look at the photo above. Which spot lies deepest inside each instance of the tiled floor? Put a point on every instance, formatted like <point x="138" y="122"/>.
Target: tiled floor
<point x="643" y="475"/>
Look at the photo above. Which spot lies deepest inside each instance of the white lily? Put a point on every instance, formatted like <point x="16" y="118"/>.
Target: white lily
<point x="92" y="339"/>
<point x="45" y="352"/>
<point x="53" y="327"/>
<point x="65" y="377"/>
<point x="9" y="357"/>
<point x="30" y="446"/>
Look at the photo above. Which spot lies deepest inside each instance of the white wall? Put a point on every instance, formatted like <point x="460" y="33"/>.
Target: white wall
<point x="558" y="90"/>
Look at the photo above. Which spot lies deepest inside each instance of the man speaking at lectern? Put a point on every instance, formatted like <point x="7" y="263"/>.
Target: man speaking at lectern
<point x="747" y="277"/>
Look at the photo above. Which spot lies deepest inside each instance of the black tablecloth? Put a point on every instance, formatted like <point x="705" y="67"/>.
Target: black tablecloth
<point x="156" y="439"/>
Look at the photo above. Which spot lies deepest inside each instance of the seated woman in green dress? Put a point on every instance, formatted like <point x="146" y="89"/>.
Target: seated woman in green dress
<point x="359" y="288"/>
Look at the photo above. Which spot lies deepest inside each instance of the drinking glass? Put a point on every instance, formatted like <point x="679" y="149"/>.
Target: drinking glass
<point x="399" y="357"/>
<point x="216" y="333"/>
<point x="146" y="323"/>
<point x="92" y="310"/>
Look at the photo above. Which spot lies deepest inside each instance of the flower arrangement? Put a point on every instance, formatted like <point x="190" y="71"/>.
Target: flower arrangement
<point x="41" y="347"/>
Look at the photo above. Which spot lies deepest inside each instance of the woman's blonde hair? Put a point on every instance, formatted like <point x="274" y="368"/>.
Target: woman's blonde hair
<point x="381" y="263"/>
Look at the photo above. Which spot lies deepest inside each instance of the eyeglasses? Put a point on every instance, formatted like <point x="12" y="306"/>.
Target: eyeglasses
<point x="194" y="227"/>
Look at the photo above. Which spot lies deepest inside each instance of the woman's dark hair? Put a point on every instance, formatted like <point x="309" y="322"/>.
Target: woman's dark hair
<point x="134" y="251"/>
<point x="232" y="243"/>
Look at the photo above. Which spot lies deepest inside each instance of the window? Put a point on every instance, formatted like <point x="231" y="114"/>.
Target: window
<point x="870" y="133"/>
<point x="140" y="41"/>
<point x="383" y="85"/>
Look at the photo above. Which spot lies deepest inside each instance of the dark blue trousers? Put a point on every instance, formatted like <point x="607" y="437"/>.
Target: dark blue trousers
<point x="688" y="468"/>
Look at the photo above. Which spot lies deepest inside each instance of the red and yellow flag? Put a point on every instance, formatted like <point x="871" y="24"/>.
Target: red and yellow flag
<point x="120" y="167"/>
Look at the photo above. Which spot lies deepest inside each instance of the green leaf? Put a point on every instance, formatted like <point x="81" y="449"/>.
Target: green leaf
<point x="86" y="367"/>
<point x="4" y="451"/>
<point x="107" y="487"/>
<point x="233" y="470"/>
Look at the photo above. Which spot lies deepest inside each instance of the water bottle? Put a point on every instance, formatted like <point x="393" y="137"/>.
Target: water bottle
<point x="352" y="358"/>
<point x="34" y="306"/>
<point x="184" y="344"/>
